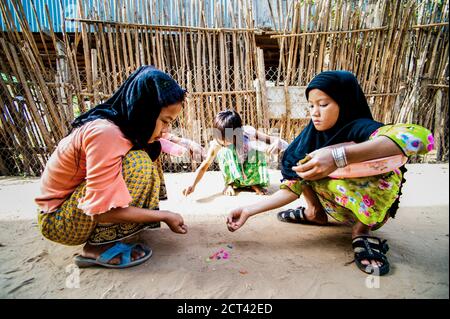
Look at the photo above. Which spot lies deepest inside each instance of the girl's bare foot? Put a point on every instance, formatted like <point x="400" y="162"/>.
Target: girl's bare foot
<point x="314" y="211"/>
<point x="229" y="190"/>
<point x="316" y="215"/>
<point x="259" y="190"/>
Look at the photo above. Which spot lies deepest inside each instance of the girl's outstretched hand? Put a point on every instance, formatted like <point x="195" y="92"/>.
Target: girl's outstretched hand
<point x="197" y="152"/>
<point x="236" y="219"/>
<point x="320" y="165"/>
<point x="188" y="190"/>
<point x="175" y="223"/>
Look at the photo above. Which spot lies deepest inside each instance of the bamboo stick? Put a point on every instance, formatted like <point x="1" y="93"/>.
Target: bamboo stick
<point x="15" y="138"/>
<point x="430" y="25"/>
<point x="106" y="56"/>
<point x="40" y="30"/>
<point x="17" y="6"/>
<point x="438" y="86"/>
<point x="13" y="57"/>
<point x="327" y="32"/>
<point x="55" y="121"/>
<point x="12" y="32"/>
<point x="86" y="49"/>
<point x="164" y="27"/>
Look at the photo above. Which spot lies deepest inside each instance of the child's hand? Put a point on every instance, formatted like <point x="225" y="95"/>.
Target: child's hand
<point x="272" y="149"/>
<point x="197" y="152"/>
<point x="175" y="223"/>
<point x="236" y="219"/>
<point x="278" y="145"/>
<point x="188" y="190"/>
<point x="316" y="165"/>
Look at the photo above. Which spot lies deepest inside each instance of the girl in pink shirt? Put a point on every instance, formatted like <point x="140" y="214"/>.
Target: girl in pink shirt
<point x="101" y="185"/>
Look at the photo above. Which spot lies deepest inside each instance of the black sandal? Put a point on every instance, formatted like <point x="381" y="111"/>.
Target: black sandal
<point x="371" y="248"/>
<point x="296" y="216"/>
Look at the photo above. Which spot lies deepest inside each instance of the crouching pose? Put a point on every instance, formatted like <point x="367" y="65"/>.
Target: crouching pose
<point x="340" y="115"/>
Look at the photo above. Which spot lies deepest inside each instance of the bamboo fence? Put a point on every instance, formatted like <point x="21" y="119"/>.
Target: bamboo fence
<point x="398" y="50"/>
<point x="35" y="97"/>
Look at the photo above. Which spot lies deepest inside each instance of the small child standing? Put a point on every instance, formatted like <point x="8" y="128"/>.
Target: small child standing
<point x="239" y="153"/>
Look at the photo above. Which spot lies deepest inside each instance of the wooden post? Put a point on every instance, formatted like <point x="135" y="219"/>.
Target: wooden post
<point x="438" y="124"/>
<point x="62" y="78"/>
<point x="86" y="46"/>
<point x="95" y="76"/>
<point x="264" y="112"/>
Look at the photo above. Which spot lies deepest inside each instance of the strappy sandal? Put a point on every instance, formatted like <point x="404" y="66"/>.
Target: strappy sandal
<point x="296" y="216"/>
<point x="119" y="249"/>
<point x="371" y="248"/>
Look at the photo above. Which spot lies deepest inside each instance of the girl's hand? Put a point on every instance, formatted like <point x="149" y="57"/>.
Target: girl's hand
<point x="273" y="148"/>
<point x="197" y="152"/>
<point x="278" y="145"/>
<point x="320" y="165"/>
<point x="167" y="136"/>
<point x="188" y="190"/>
<point x="237" y="218"/>
<point x="175" y="223"/>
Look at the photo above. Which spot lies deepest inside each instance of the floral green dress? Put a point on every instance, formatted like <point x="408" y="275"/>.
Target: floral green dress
<point x="244" y="167"/>
<point x="372" y="199"/>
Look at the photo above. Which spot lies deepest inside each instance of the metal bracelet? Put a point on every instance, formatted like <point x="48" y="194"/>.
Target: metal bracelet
<point x="340" y="159"/>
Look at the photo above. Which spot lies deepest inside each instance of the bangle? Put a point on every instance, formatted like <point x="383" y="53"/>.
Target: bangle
<point x="340" y="159"/>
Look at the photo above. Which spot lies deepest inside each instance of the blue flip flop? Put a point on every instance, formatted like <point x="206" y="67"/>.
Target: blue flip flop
<point x="118" y="249"/>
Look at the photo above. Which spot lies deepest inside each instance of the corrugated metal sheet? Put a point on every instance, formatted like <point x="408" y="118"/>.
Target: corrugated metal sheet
<point x="171" y="16"/>
<point x="55" y="13"/>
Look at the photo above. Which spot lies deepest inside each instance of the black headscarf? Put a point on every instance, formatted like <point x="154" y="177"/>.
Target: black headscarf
<point x="136" y="105"/>
<point x="355" y="122"/>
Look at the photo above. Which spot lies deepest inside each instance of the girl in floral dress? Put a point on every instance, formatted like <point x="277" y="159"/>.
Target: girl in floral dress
<point x="240" y="151"/>
<point x="342" y="131"/>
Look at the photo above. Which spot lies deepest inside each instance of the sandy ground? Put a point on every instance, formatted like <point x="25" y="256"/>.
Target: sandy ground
<point x="268" y="259"/>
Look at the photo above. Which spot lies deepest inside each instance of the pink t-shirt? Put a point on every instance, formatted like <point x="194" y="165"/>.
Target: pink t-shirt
<point x="102" y="146"/>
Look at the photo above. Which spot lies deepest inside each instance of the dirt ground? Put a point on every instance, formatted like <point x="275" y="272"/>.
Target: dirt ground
<point x="267" y="258"/>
